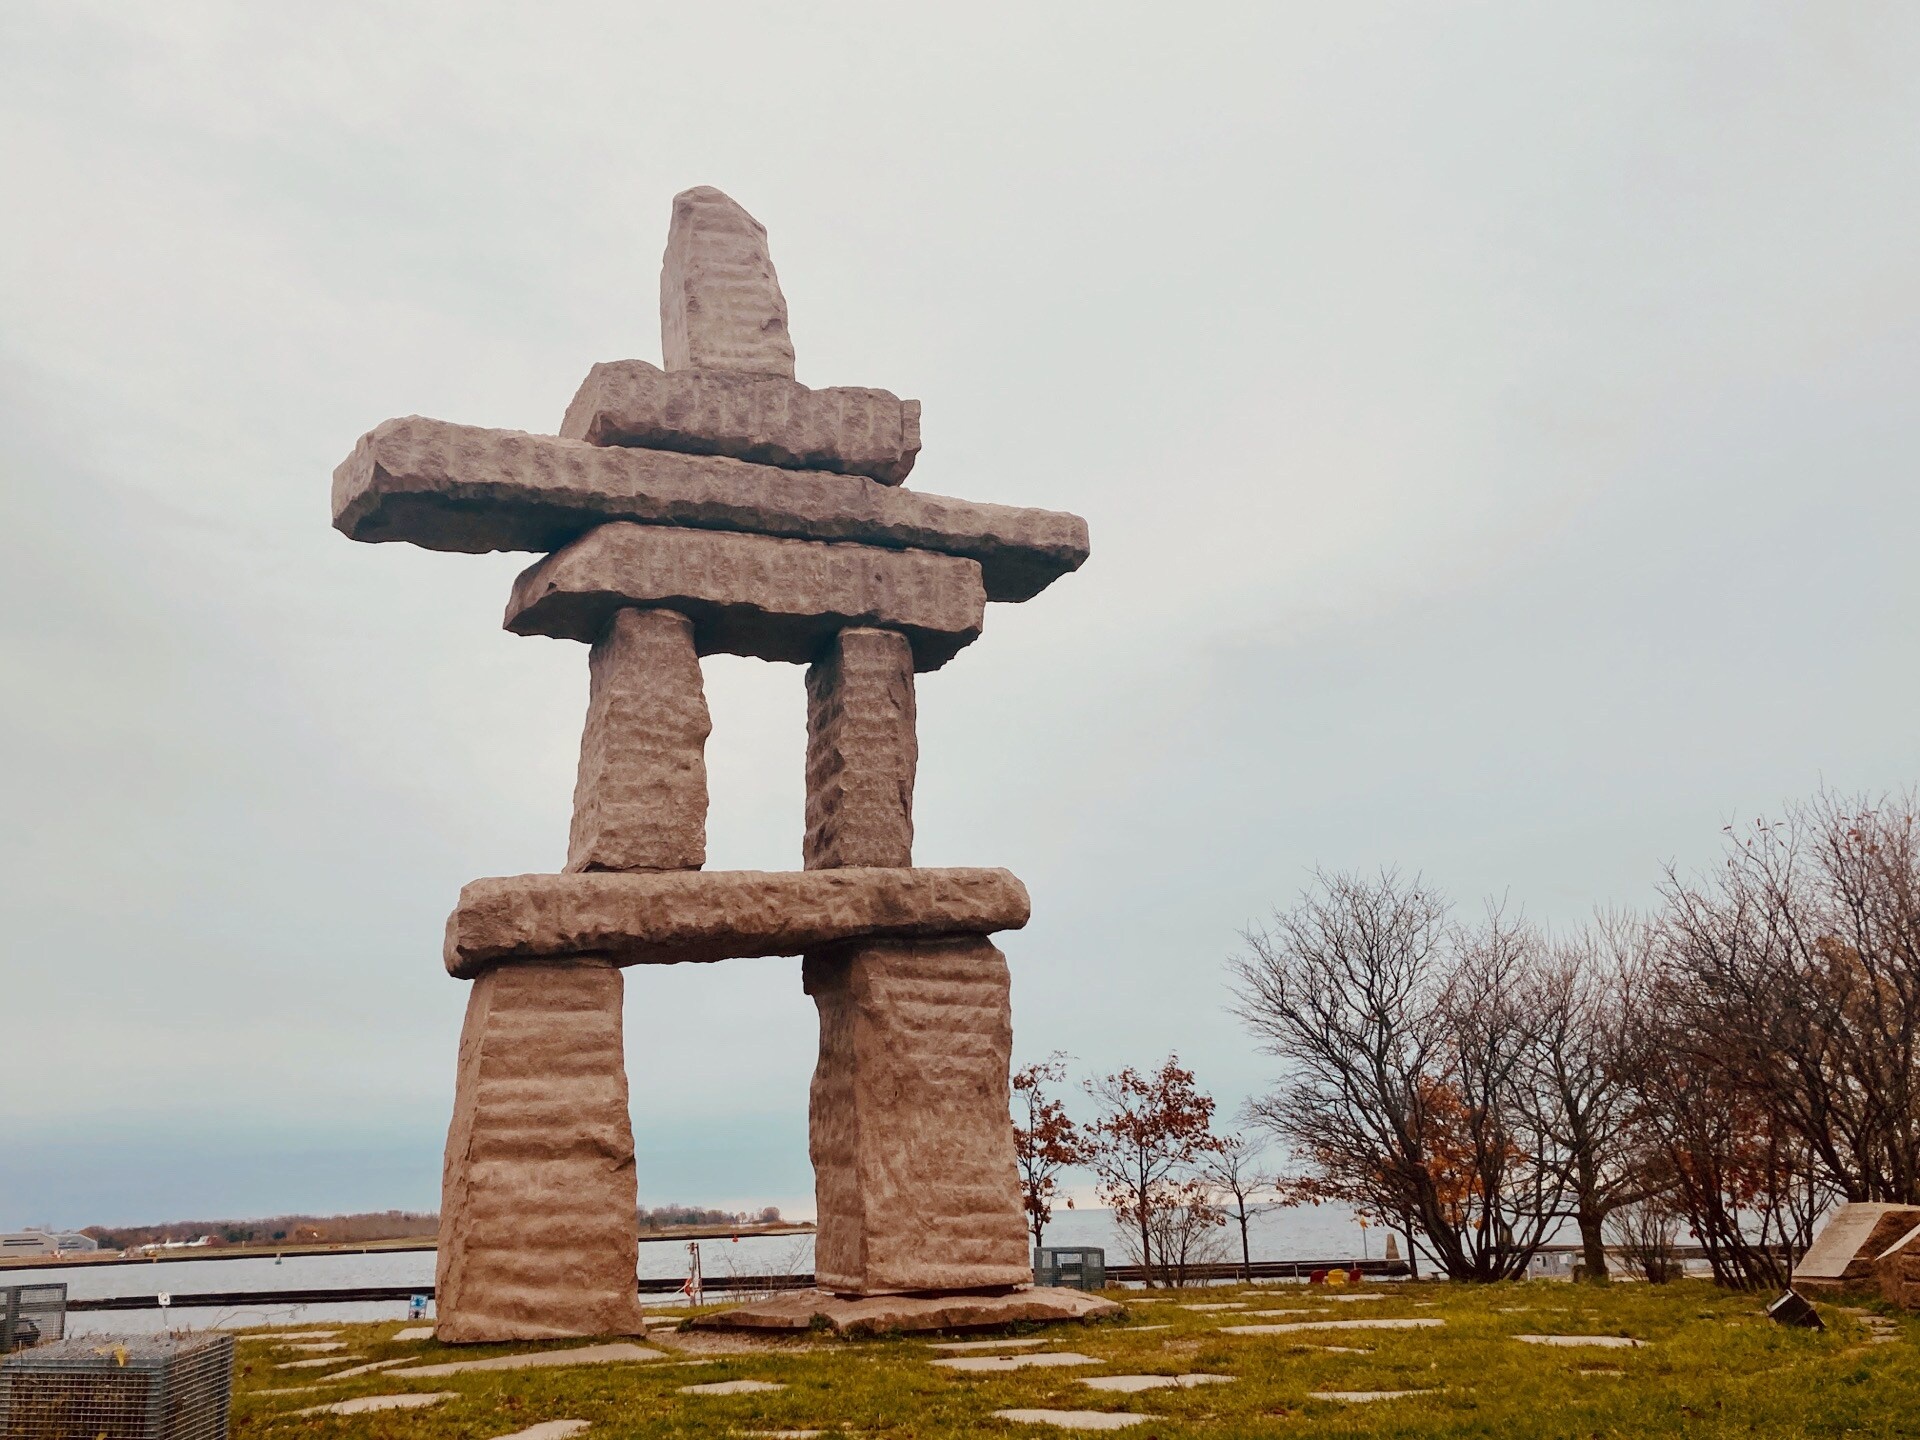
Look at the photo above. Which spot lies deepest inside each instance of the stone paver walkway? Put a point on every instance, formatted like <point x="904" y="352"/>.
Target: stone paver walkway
<point x="994" y="1363"/>
<point x="1616" y="1342"/>
<point x="731" y="1387"/>
<point x="1422" y="1322"/>
<point x="540" y="1359"/>
<point x="549" y="1430"/>
<point x="961" y="1346"/>
<point x="414" y="1332"/>
<point x="1134" y="1384"/>
<point x="315" y="1364"/>
<point x="378" y="1402"/>
<point x="1362" y="1397"/>
<point x="1074" y="1419"/>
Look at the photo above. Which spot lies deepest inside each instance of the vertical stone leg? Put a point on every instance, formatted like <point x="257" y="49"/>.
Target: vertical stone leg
<point x="538" y="1236"/>
<point x="912" y="1146"/>
<point x="640" y="802"/>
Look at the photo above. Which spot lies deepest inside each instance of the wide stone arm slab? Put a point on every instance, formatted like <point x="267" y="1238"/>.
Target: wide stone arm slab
<point x="763" y="418"/>
<point x="464" y="488"/>
<point x="752" y="595"/>
<point x="666" y="917"/>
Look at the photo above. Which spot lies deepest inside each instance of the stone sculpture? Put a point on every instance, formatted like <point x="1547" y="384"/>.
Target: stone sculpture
<point x="719" y="506"/>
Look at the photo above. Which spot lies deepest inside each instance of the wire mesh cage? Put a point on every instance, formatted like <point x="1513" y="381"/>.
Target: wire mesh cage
<point x="134" y="1387"/>
<point x="31" y="1315"/>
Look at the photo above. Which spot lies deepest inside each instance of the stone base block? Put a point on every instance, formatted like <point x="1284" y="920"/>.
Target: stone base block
<point x="671" y="917"/>
<point x="913" y="1159"/>
<point x="1843" y="1254"/>
<point x="539" y="1238"/>
<point x="880" y="1314"/>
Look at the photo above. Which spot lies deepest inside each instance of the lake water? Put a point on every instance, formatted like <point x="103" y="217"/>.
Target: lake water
<point x="1308" y="1233"/>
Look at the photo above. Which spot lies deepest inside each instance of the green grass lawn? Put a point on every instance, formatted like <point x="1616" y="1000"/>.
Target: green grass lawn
<point x="1712" y="1365"/>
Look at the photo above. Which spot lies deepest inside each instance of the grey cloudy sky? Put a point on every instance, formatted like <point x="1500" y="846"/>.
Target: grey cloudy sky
<point x="1496" y="425"/>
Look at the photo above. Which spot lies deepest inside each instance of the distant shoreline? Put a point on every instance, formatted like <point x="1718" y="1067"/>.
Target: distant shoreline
<point x="92" y="1259"/>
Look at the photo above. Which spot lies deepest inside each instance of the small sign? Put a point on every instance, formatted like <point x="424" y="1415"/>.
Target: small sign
<point x="165" y="1299"/>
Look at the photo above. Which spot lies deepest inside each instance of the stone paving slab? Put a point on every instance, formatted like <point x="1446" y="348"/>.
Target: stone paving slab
<point x="1362" y="1397"/>
<point x="365" y="1369"/>
<point x="731" y="1387"/>
<point x="616" y="1354"/>
<point x="1616" y="1342"/>
<point x="549" y="1430"/>
<point x="312" y="1345"/>
<point x="1073" y="1419"/>
<point x="961" y="1346"/>
<point x="1236" y="1305"/>
<point x="1133" y="1384"/>
<point x="365" y="1403"/>
<point x="414" y="1332"/>
<point x="315" y="1364"/>
<point x="991" y="1364"/>
<point x="279" y="1336"/>
<point x="1420" y="1323"/>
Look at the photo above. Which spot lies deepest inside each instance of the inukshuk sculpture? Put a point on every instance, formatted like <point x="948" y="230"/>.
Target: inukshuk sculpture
<point x="718" y="506"/>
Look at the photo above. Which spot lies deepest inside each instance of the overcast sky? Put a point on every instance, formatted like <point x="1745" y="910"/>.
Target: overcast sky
<point x="1496" y="424"/>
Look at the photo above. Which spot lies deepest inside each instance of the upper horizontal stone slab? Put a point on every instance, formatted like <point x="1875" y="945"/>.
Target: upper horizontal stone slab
<point x="763" y="418"/>
<point x="665" y="917"/>
<point x="464" y="488"/>
<point x="752" y="595"/>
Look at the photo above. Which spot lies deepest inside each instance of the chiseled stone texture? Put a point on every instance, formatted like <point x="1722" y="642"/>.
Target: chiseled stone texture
<point x="670" y="916"/>
<point x="912" y="1151"/>
<point x="538" y="1233"/>
<point x="862" y="750"/>
<point x="762" y="418"/>
<point x="640" y="802"/>
<point x="720" y="301"/>
<point x="892" y="1314"/>
<point x="752" y="595"/>
<point x="469" y="489"/>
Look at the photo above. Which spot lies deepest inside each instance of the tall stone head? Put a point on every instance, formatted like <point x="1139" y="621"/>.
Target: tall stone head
<point x="720" y="301"/>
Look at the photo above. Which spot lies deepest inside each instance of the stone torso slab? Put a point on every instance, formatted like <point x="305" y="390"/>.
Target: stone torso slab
<point x="752" y="594"/>
<point x="673" y="916"/>
<point x="762" y="418"/>
<point x="468" y="489"/>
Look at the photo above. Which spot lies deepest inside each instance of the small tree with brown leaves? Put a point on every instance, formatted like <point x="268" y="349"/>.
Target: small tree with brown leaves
<point x="1045" y="1139"/>
<point x="1153" y="1135"/>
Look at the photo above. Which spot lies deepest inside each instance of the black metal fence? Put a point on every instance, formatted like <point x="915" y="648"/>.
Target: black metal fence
<point x="31" y="1315"/>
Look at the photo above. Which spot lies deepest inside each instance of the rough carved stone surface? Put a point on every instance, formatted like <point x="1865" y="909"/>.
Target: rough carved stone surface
<point x="752" y="595"/>
<point x="464" y="488"/>
<point x="539" y="1237"/>
<point x="720" y="301"/>
<point x="883" y="1314"/>
<point x="640" y="802"/>
<point x="674" y="916"/>
<point x="862" y="750"/>
<point x="761" y="418"/>
<point x="1843" y="1254"/>
<point x="913" y="1160"/>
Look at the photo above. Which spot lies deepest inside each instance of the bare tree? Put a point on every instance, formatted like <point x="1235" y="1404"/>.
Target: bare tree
<point x="1798" y="968"/>
<point x="1647" y="1234"/>
<point x="1581" y="1084"/>
<point x="1404" y="1044"/>
<point x="1046" y="1141"/>
<point x="1238" y="1182"/>
<point x="1152" y="1136"/>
